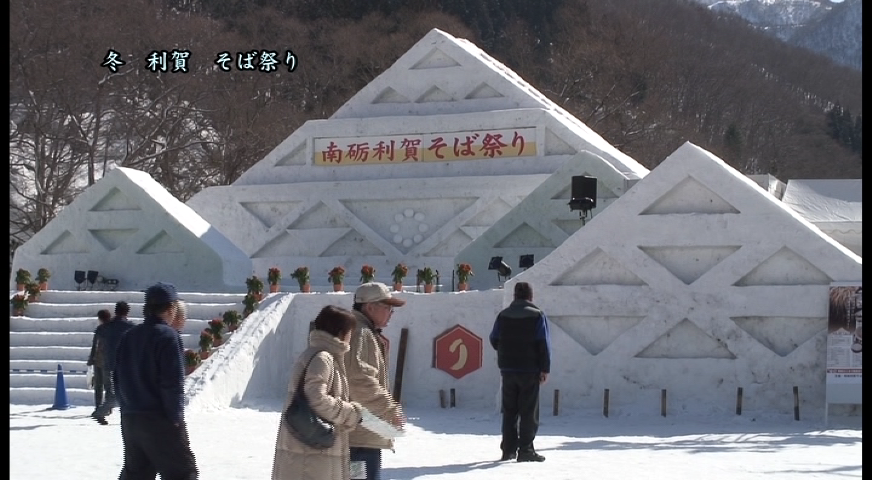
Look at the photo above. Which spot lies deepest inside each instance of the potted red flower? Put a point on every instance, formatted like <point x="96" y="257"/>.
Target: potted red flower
<point x="367" y="273"/>
<point x="399" y="273"/>
<point x="274" y="277"/>
<point x="464" y="271"/>
<point x="336" y="276"/>
<point x="192" y="361"/>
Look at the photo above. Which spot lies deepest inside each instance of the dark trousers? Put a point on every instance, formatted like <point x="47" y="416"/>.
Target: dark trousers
<point x="372" y="458"/>
<point x="152" y="445"/>
<point x="105" y="408"/>
<point x="520" y="411"/>
<point x="99" y="388"/>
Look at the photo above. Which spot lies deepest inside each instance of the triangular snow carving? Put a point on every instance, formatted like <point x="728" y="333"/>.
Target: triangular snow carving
<point x="65" y="243"/>
<point x="296" y="157"/>
<point x="785" y="267"/>
<point x="494" y="211"/>
<point x="689" y="263"/>
<point x="782" y="335"/>
<point x="483" y="91"/>
<point x="566" y="193"/>
<point x="269" y="213"/>
<point x="690" y="196"/>
<point x="113" y="238"/>
<point x="435" y="59"/>
<point x="434" y="94"/>
<point x="319" y="216"/>
<point x="525" y="236"/>
<point x="568" y="226"/>
<point x="114" y="200"/>
<point x="598" y="268"/>
<point x="160" y="243"/>
<point x="352" y="243"/>
<point x="595" y="334"/>
<point x="554" y="145"/>
<point x="389" y="95"/>
<point x="686" y="340"/>
<point x="453" y="243"/>
<point x="301" y="243"/>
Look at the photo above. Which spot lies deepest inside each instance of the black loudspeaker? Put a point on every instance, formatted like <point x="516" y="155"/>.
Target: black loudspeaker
<point x="584" y="187"/>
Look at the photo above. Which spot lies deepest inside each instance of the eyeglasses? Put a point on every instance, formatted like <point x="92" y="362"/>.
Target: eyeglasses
<point x="390" y="308"/>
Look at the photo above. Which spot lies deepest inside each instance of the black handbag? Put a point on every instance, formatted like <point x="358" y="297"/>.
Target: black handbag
<point x="304" y="424"/>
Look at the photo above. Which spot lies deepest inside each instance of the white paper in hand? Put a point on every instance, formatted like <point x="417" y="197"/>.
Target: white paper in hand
<point x="378" y="426"/>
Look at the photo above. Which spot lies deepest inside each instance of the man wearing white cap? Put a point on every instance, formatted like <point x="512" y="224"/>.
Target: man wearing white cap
<point x="367" y="366"/>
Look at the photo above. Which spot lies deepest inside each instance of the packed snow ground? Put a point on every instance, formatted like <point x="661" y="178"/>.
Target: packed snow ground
<point x="460" y="444"/>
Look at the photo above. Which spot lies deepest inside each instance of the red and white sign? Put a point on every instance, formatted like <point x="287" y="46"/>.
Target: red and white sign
<point x="457" y="352"/>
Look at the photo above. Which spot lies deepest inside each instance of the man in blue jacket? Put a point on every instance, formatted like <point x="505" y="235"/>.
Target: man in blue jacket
<point x="523" y="344"/>
<point x="110" y="337"/>
<point x="150" y="381"/>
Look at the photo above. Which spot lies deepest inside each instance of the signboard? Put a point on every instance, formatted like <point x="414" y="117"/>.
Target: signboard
<point x="425" y="147"/>
<point x="845" y="344"/>
<point x="457" y="352"/>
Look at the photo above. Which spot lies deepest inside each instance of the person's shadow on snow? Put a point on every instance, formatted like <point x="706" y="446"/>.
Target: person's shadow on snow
<point x="408" y="473"/>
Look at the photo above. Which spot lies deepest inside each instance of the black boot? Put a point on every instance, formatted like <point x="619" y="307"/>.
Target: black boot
<point x="530" y="456"/>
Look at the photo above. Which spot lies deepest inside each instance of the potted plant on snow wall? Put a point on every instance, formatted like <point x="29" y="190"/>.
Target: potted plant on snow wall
<point x="428" y="276"/>
<point x="192" y="361"/>
<point x="19" y="304"/>
<point x="336" y="276"/>
<point x="231" y="319"/>
<point x="367" y="274"/>
<point x="22" y="278"/>
<point x="301" y="274"/>
<point x="274" y="277"/>
<point x="42" y="276"/>
<point x="399" y="273"/>
<point x="255" y="286"/>
<point x="205" y="342"/>
<point x="464" y="271"/>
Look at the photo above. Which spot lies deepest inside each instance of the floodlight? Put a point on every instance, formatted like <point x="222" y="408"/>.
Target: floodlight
<point x="583" y="197"/>
<point x="502" y="268"/>
<point x="526" y="261"/>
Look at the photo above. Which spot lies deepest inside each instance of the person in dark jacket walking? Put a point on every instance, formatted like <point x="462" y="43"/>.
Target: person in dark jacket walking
<point x="151" y="374"/>
<point x="110" y="336"/>
<point x="523" y="344"/>
<point x="95" y="358"/>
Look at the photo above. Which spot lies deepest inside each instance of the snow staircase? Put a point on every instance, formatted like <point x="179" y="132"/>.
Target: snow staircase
<point x="58" y="329"/>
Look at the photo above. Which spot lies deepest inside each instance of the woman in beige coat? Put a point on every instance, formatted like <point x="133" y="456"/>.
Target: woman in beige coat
<point x="326" y="387"/>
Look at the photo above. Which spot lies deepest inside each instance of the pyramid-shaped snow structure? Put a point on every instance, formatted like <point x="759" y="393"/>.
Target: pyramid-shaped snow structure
<point x="128" y="227"/>
<point x="411" y="169"/>
<point x="695" y="270"/>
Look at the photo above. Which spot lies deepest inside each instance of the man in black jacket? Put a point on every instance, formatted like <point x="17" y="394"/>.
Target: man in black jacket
<point x="100" y="380"/>
<point x="151" y="374"/>
<point x="523" y="344"/>
<point x="110" y="337"/>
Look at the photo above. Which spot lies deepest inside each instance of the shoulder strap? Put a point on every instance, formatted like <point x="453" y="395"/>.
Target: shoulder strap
<point x="303" y="373"/>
